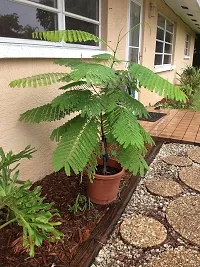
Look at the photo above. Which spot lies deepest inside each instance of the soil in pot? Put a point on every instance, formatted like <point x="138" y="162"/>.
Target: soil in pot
<point x="104" y="188"/>
<point x="110" y="170"/>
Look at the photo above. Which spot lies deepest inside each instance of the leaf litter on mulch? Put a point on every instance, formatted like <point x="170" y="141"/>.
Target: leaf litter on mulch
<point x="61" y="190"/>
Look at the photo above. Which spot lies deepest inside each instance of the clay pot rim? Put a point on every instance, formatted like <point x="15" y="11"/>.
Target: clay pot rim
<point x="112" y="176"/>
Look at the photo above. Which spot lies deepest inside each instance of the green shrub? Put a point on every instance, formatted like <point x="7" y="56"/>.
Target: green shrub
<point x="23" y="206"/>
<point x="189" y="80"/>
<point x="195" y="102"/>
<point x="104" y="112"/>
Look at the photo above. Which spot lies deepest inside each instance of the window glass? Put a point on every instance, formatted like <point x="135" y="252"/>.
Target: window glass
<point x="167" y="59"/>
<point x="160" y="34"/>
<point x="187" y="45"/>
<point x="170" y="26"/>
<point x="168" y="48"/>
<point x="85" y="8"/>
<point x="19" y="21"/>
<point x="161" y="21"/>
<point x="158" y="59"/>
<point x="75" y="24"/>
<point x="168" y="37"/>
<point x="164" y="41"/>
<point x="133" y="54"/>
<point x="159" y="47"/>
<point x="51" y="3"/>
<point x="134" y="21"/>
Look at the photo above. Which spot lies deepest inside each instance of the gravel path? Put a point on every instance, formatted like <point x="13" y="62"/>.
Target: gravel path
<point x="117" y="253"/>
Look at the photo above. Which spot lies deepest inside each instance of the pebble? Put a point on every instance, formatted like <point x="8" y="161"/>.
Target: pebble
<point x="116" y="253"/>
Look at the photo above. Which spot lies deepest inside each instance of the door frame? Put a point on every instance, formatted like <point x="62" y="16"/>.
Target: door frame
<point x="140" y="3"/>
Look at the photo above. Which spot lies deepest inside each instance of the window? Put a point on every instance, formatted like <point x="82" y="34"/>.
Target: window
<point x="164" y="42"/>
<point x="187" y="45"/>
<point x="19" y="18"/>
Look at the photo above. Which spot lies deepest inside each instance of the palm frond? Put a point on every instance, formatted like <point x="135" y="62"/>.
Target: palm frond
<point x="153" y="82"/>
<point x="38" y="80"/>
<point x="43" y="113"/>
<point x="76" y="145"/>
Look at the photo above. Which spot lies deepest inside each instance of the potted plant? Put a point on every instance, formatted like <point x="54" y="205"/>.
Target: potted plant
<point x="103" y="113"/>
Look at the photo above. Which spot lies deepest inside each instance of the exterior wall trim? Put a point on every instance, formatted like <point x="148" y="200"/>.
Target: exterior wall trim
<point x="35" y="51"/>
<point x="164" y="68"/>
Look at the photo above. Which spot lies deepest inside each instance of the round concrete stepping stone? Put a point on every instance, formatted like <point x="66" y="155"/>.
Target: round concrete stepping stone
<point x="191" y="177"/>
<point x="143" y="232"/>
<point x="195" y="155"/>
<point x="178" y="161"/>
<point x="163" y="187"/>
<point x="183" y="214"/>
<point x="177" y="258"/>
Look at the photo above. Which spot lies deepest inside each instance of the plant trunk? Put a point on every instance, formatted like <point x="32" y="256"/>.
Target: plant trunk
<point x="104" y="148"/>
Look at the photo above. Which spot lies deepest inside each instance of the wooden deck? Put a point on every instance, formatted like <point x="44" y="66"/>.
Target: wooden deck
<point x="180" y="125"/>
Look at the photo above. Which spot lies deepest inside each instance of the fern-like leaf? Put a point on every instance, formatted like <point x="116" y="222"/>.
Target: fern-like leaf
<point x="131" y="158"/>
<point x="76" y="145"/>
<point x="127" y="101"/>
<point x="58" y="132"/>
<point x="125" y="128"/>
<point x="153" y="82"/>
<point x="72" y="100"/>
<point x="94" y="73"/>
<point x="75" y="85"/>
<point x="94" y="106"/>
<point x="38" y="80"/>
<point x="107" y="56"/>
<point x="68" y="36"/>
<point x="43" y="113"/>
<point x="146" y="137"/>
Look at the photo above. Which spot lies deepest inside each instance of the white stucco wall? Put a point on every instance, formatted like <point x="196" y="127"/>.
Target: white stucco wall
<point x="16" y="135"/>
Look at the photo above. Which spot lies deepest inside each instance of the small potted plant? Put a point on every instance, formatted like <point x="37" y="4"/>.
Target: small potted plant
<point x="103" y="113"/>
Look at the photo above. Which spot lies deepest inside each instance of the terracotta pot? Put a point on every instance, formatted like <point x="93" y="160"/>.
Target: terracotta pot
<point x="105" y="188"/>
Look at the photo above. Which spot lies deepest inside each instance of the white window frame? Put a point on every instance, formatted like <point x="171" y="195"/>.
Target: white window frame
<point x="25" y="48"/>
<point x="165" y="67"/>
<point x="187" y="41"/>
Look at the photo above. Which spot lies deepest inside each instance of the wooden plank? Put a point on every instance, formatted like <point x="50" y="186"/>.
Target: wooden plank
<point x="87" y="252"/>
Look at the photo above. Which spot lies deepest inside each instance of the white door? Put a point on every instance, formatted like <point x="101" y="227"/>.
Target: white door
<point x="134" y="38"/>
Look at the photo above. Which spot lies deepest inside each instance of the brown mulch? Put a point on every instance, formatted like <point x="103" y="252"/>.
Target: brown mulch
<point x="61" y="190"/>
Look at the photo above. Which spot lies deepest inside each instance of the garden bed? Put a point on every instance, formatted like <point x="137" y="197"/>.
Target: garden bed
<point x="84" y="232"/>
